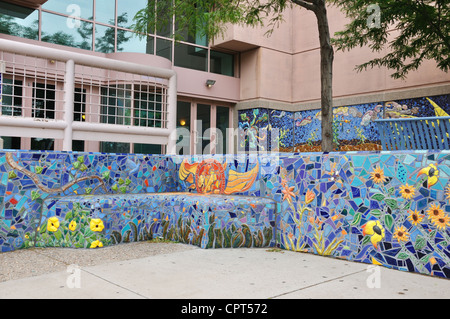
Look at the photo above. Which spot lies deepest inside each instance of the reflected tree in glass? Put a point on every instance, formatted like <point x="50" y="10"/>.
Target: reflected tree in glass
<point x="106" y="42"/>
<point x="12" y="26"/>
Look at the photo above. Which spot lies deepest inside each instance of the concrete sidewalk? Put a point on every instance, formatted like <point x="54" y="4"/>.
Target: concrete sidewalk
<point x="228" y="274"/>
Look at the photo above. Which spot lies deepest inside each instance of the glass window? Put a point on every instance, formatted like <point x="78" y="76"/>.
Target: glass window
<point x="11" y="143"/>
<point x="42" y="144"/>
<point x="59" y="30"/>
<point x="164" y="8"/>
<point x="104" y="39"/>
<point x="223" y="123"/>
<point x="184" y="115"/>
<point x="44" y="101"/>
<point x="184" y="127"/>
<point x="193" y="35"/>
<point x="11" y="97"/>
<point x="19" y="21"/>
<point x="204" y="124"/>
<point x="79" y="113"/>
<point x="116" y="105"/>
<point x="147" y="149"/>
<point x="79" y="9"/>
<point x="114" y="147"/>
<point x="126" y="10"/>
<point x="188" y="56"/>
<point x="78" y="146"/>
<point x="147" y="108"/>
<point x="129" y="42"/>
<point x="105" y="11"/>
<point x="222" y="63"/>
<point x="164" y="48"/>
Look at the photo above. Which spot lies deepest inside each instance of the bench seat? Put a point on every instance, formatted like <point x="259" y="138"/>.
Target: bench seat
<point x="207" y="221"/>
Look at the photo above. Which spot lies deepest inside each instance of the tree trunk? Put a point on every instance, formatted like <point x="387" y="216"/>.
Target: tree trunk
<point x="326" y="76"/>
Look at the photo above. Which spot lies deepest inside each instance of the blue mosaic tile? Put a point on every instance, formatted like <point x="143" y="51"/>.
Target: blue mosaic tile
<point x="354" y="125"/>
<point x="386" y="208"/>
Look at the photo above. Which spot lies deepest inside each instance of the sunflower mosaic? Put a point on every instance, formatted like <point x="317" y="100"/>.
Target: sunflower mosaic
<point x="384" y="208"/>
<point x="390" y="209"/>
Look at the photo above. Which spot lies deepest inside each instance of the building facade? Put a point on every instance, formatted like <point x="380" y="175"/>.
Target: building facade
<point x="240" y="92"/>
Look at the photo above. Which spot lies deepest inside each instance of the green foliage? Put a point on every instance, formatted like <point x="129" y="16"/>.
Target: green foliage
<point x="72" y="231"/>
<point x="410" y="31"/>
<point x="205" y="17"/>
<point x="185" y="231"/>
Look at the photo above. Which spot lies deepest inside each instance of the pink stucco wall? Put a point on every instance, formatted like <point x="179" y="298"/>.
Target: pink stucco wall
<point x="286" y="66"/>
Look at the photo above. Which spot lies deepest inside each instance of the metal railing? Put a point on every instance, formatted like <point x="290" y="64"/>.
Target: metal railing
<point x="421" y="133"/>
<point x="51" y="93"/>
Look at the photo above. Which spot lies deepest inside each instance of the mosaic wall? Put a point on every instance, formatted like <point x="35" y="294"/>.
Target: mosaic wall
<point x="210" y="221"/>
<point x="354" y="129"/>
<point x="83" y="200"/>
<point x="30" y="179"/>
<point x="390" y="209"/>
<point x="384" y="208"/>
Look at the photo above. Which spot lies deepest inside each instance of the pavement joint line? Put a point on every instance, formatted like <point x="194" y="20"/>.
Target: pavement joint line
<point x="114" y="284"/>
<point x="317" y="284"/>
<point x="92" y="274"/>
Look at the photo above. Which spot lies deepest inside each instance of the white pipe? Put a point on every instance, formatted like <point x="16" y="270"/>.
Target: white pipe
<point x="121" y="129"/>
<point x="172" y="116"/>
<point x="68" y="125"/>
<point x="32" y="123"/>
<point x="84" y="59"/>
<point x="69" y="89"/>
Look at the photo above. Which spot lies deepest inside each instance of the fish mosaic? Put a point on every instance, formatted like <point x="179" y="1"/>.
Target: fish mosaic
<point x="384" y="208"/>
<point x="208" y="177"/>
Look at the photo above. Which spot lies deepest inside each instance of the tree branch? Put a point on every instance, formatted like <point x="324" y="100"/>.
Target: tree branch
<point x="45" y="189"/>
<point x="436" y="28"/>
<point x="307" y="4"/>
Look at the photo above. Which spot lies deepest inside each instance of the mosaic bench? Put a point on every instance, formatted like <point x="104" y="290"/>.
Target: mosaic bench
<point x="207" y="221"/>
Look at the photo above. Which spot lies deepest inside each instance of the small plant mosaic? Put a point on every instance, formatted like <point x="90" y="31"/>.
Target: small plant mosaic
<point x="384" y="208"/>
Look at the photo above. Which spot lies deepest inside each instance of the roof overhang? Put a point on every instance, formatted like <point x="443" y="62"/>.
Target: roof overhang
<point x="32" y="4"/>
<point x="235" y="45"/>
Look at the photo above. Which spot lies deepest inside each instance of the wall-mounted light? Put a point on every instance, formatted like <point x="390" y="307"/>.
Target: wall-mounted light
<point x="182" y="122"/>
<point x="210" y="83"/>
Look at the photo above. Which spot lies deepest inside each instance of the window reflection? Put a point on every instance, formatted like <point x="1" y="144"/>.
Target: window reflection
<point x="105" y="11"/>
<point x="164" y="48"/>
<point x="147" y="149"/>
<point x="25" y="27"/>
<point x="192" y="57"/>
<point x="116" y="104"/>
<point x="73" y="26"/>
<point x="115" y="147"/>
<point x="44" y="101"/>
<point x="222" y="63"/>
<point x="11" y="97"/>
<point x="128" y="41"/>
<point x="55" y="30"/>
<point x="81" y="8"/>
<point x="104" y="39"/>
<point x="127" y="10"/>
<point x="42" y="144"/>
